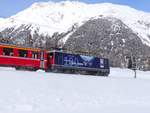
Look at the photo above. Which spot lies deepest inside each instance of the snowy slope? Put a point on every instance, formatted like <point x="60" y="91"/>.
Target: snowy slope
<point x="53" y="17"/>
<point x="1" y="20"/>
<point x="40" y="92"/>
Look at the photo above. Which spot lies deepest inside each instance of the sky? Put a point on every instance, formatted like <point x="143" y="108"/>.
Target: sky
<point x="11" y="7"/>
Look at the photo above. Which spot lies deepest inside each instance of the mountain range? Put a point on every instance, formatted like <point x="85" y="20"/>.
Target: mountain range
<point x="117" y="32"/>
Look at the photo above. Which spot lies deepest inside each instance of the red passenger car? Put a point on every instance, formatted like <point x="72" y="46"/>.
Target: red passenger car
<point x="20" y="57"/>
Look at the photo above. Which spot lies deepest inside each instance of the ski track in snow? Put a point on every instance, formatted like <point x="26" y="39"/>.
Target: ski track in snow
<point x="40" y="92"/>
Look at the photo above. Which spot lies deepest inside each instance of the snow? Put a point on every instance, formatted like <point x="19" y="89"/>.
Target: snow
<point x="53" y="17"/>
<point x="1" y="19"/>
<point x="40" y="92"/>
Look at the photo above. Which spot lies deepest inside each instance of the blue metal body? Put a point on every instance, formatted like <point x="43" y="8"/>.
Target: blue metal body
<point x="82" y="62"/>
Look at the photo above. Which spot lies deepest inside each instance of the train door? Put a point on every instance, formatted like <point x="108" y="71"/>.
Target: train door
<point x="50" y="59"/>
<point x="42" y="60"/>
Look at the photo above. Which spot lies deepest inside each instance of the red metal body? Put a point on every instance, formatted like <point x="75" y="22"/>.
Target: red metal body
<point x="15" y="61"/>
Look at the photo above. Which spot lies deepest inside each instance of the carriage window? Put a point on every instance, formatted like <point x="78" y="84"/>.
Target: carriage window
<point x="23" y="53"/>
<point x="8" y="51"/>
<point x="35" y="55"/>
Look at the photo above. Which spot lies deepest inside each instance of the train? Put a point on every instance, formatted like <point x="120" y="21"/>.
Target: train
<point x="52" y="60"/>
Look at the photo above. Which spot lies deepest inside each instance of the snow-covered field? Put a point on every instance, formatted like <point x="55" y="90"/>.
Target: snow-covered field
<point x="40" y="92"/>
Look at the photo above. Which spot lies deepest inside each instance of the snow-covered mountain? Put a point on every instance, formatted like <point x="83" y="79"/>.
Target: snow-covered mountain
<point x="1" y="20"/>
<point x="50" y="17"/>
<point x="106" y="30"/>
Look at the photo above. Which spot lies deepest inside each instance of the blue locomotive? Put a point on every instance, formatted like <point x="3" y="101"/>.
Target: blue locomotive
<point x="59" y="61"/>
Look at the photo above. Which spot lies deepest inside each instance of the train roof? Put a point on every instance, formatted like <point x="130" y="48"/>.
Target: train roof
<point x="19" y="47"/>
<point x="69" y="52"/>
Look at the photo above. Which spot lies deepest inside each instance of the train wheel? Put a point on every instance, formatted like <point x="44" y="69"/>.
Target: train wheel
<point x="17" y="68"/>
<point x="103" y="74"/>
<point x="26" y="68"/>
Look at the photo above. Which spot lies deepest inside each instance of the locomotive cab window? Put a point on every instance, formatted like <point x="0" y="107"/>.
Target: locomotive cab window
<point x="23" y="53"/>
<point x="35" y="55"/>
<point x="50" y="55"/>
<point x="8" y="51"/>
